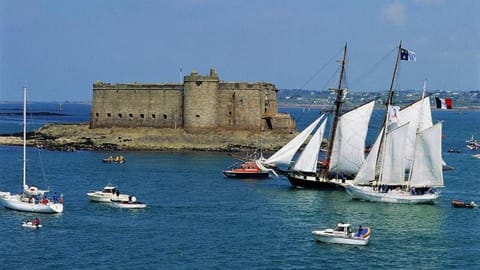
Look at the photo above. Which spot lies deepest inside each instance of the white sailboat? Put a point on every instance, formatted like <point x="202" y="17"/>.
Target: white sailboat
<point x="405" y="163"/>
<point x="346" y="149"/>
<point x="31" y="199"/>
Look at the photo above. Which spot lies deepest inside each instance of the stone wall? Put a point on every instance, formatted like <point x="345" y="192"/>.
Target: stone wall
<point x="201" y="102"/>
<point x="131" y="105"/>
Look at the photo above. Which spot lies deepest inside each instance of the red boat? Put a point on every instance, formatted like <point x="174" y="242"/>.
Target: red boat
<point x="248" y="169"/>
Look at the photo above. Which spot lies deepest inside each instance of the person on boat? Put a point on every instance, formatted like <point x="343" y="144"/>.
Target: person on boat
<point x="55" y="197"/>
<point x="118" y="192"/>
<point x="36" y="222"/>
<point x="32" y="199"/>
<point x="44" y="200"/>
<point x="414" y="192"/>
<point x="60" y="200"/>
<point x="359" y="230"/>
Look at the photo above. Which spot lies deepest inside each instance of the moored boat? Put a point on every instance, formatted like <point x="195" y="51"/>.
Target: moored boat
<point x="114" y="159"/>
<point x="473" y="143"/>
<point x="343" y="234"/>
<point x="476" y="156"/>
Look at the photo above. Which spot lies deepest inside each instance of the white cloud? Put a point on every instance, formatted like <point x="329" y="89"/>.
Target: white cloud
<point x="395" y="13"/>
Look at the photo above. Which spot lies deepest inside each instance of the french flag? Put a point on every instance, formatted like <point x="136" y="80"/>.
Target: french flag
<point x="443" y="103"/>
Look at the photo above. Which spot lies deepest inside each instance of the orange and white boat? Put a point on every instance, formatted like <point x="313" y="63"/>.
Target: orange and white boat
<point x="248" y="169"/>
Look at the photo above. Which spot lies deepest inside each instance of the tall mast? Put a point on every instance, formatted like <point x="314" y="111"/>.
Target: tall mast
<point x="24" y="137"/>
<point x="338" y="104"/>
<point x="388" y="102"/>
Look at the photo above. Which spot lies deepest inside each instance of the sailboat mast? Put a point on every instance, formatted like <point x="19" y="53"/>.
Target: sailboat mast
<point x="338" y="105"/>
<point x="24" y="136"/>
<point x="388" y="102"/>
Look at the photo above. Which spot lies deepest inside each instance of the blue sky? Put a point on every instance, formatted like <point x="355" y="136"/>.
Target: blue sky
<point x="60" y="48"/>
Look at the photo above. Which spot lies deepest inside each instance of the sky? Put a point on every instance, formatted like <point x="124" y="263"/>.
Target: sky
<point x="59" y="48"/>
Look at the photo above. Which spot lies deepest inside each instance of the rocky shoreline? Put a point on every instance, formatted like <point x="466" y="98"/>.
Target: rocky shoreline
<point x="73" y="137"/>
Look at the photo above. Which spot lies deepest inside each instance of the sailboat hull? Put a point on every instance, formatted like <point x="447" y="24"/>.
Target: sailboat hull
<point x="315" y="182"/>
<point x="367" y="193"/>
<point x="16" y="203"/>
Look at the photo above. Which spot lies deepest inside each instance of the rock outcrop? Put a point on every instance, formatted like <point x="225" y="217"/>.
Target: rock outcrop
<point x="72" y="137"/>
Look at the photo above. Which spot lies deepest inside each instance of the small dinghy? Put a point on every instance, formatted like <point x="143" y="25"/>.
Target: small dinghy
<point x="462" y="204"/>
<point x="29" y="224"/>
<point x="131" y="203"/>
<point x="343" y="234"/>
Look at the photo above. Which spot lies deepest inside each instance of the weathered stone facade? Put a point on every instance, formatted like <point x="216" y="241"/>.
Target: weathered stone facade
<point x="201" y="102"/>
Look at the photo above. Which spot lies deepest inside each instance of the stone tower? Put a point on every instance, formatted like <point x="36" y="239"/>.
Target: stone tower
<point x="200" y="101"/>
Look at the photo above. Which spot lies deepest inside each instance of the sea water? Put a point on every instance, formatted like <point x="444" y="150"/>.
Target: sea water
<point x="197" y="219"/>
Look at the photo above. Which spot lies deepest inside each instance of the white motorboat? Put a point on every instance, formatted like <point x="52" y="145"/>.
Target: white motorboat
<point x="108" y="193"/>
<point x="130" y="203"/>
<point x="343" y="234"/>
<point x="31" y="199"/>
<point x="476" y="156"/>
<point x="473" y="143"/>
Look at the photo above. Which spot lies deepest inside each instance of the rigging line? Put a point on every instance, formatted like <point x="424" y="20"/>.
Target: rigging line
<point x="325" y="86"/>
<point x="321" y="69"/>
<point x="374" y="66"/>
<point x="42" y="167"/>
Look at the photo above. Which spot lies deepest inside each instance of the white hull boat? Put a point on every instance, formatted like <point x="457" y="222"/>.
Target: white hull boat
<point x="106" y="195"/>
<point x="367" y="193"/>
<point x="29" y="200"/>
<point x="30" y="224"/>
<point x="130" y="203"/>
<point x="20" y="203"/>
<point x="405" y="163"/>
<point x="343" y="235"/>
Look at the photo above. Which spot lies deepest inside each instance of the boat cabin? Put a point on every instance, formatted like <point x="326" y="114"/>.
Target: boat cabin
<point x="108" y="189"/>
<point x="344" y="228"/>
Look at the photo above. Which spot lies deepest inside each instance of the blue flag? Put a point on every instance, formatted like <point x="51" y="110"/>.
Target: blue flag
<point x="407" y="55"/>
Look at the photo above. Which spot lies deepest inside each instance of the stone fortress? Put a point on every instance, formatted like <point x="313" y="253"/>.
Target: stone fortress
<point x="200" y="103"/>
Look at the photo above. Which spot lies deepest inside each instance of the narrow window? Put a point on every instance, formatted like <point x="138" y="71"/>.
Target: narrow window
<point x="119" y="115"/>
<point x="130" y="115"/>
<point x="109" y="114"/>
<point x="96" y="114"/>
<point x="153" y="116"/>
<point x="164" y="116"/>
<point x="142" y="115"/>
<point x="198" y="115"/>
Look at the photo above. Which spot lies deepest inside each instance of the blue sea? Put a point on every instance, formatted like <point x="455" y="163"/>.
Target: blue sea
<point x="197" y="219"/>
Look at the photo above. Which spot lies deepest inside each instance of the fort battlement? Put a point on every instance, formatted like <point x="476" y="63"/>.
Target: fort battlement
<point x="200" y="102"/>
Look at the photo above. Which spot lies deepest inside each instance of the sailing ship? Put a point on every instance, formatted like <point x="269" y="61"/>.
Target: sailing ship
<point x="32" y="199"/>
<point x="346" y="149"/>
<point x="405" y="163"/>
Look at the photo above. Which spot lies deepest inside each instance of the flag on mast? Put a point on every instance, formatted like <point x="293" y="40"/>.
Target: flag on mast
<point x="407" y="55"/>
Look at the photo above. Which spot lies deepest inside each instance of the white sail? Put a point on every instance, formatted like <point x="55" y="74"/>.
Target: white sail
<point x="368" y="170"/>
<point x="393" y="163"/>
<point x="419" y="117"/>
<point x="307" y="161"/>
<point x="348" y="153"/>
<point x="286" y="153"/>
<point x="427" y="166"/>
